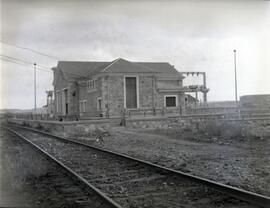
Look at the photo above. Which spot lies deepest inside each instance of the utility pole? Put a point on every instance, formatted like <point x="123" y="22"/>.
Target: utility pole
<point x="235" y="76"/>
<point x="35" y="86"/>
<point x="204" y="85"/>
<point x="235" y="85"/>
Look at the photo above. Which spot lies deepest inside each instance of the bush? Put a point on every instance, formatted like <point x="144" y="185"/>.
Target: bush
<point x="217" y="128"/>
<point x="210" y="127"/>
<point x="231" y="131"/>
<point x="39" y="126"/>
<point x="24" y="123"/>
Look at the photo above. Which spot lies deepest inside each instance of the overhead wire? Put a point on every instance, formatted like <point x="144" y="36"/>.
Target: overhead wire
<point x="30" y="49"/>
<point x="40" y="53"/>
<point x="16" y="60"/>
<point x="22" y="64"/>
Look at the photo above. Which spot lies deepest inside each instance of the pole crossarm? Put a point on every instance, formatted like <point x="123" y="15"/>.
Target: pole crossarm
<point x="196" y="88"/>
<point x="193" y="73"/>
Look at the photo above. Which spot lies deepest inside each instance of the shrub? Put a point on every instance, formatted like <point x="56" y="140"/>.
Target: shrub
<point x="210" y="127"/>
<point x="39" y="126"/>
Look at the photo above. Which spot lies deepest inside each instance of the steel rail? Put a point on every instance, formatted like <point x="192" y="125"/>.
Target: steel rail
<point x="253" y="198"/>
<point x="84" y="183"/>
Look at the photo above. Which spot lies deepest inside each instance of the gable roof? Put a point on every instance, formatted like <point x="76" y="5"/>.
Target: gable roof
<point x="121" y="65"/>
<point x="161" y="67"/>
<point x="76" y="69"/>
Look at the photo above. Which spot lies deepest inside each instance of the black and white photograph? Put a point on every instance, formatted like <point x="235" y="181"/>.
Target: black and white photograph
<point x="135" y="104"/>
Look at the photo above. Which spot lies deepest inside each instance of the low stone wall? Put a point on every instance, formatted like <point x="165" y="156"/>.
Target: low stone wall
<point x="211" y="126"/>
<point x="70" y="128"/>
<point x="259" y="127"/>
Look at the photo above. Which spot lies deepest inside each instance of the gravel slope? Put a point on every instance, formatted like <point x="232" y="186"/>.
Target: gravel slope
<point x="244" y="164"/>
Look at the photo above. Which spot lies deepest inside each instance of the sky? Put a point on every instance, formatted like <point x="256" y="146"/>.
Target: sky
<point x="191" y="35"/>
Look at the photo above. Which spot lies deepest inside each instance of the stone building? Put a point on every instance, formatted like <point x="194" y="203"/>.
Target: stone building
<point x="190" y="100"/>
<point x="108" y="88"/>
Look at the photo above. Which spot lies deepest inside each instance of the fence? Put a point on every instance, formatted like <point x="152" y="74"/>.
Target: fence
<point x="147" y="112"/>
<point x="202" y="112"/>
<point x="46" y="117"/>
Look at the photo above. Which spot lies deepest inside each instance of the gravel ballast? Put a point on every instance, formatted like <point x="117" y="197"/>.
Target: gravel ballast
<point x="244" y="163"/>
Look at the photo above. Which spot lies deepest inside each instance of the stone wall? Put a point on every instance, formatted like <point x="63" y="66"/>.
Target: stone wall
<point x="60" y="82"/>
<point x="233" y="128"/>
<point x="73" y="102"/>
<point x="146" y="91"/>
<point x="161" y="97"/>
<point x="259" y="127"/>
<point x="168" y="83"/>
<point x="91" y="97"/>
<point x="115" y="95"/>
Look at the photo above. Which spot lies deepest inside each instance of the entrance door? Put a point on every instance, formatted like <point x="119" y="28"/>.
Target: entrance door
<point x="99" y="104"/>
<point x="65" y="102"/>
<point x="131" y="92"/>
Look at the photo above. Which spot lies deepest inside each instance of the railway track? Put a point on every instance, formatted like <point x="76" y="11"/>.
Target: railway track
<point x="70" y="189"/>
<point x="52" y="187"/>
<point x="131" y="182"/>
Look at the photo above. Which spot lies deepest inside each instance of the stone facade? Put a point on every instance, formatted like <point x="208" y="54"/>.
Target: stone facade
<point x="107" y="95"/>
<point x="115" y="92"/>
<point x="90" y="96"/>
<point x="110" y="89"/>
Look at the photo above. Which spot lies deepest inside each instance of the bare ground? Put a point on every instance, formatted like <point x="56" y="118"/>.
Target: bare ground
<point x="243" y="163"/>
<point x="29" y="180"/>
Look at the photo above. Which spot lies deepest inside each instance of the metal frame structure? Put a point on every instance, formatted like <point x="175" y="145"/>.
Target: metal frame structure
<point x="197" y="88"/>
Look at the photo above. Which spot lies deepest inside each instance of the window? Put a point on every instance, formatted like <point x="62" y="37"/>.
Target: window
<point x="82" y="106"/>
<point x="58" y="104"/>
<point x="170" y="101"/>
<point x="92" y="84"/>
<point x="131" y="94"/>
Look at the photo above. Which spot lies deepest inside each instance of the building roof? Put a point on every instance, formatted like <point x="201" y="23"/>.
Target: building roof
<point x="162" y="67"/>
<point x="122" y="65"/>
<point x="84" y="69"/>
<point x="191" y="98"/>
<point x="78" y="68"/>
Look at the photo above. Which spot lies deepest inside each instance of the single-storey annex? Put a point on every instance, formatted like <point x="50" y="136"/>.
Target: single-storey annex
<point x="108" y="88"/>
